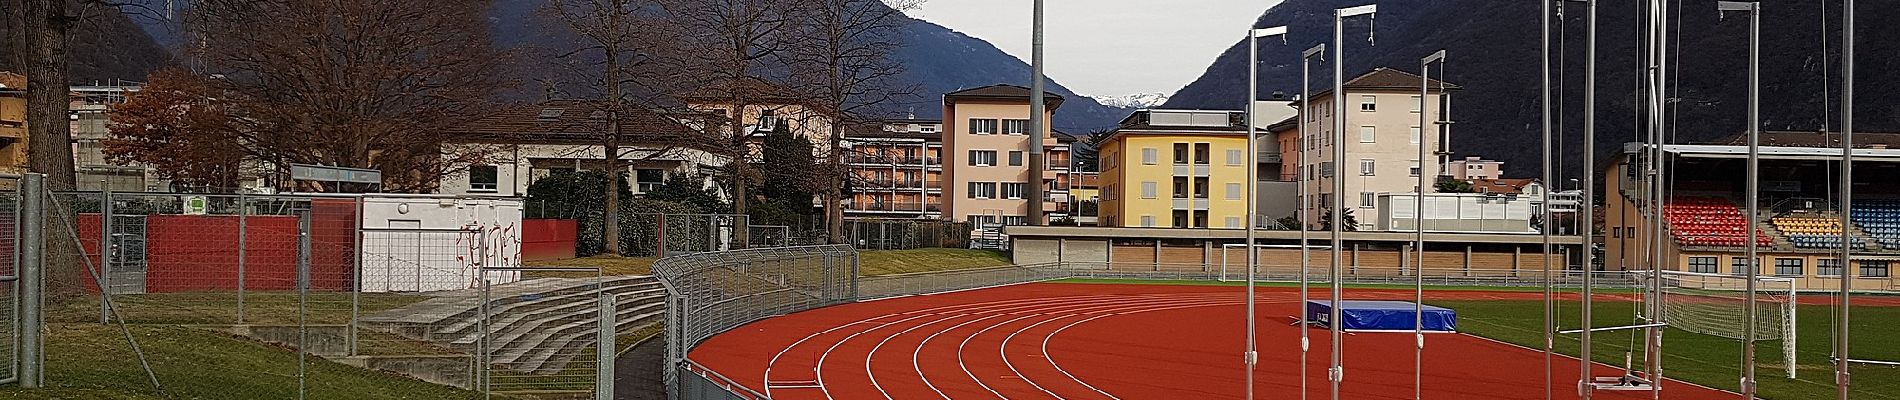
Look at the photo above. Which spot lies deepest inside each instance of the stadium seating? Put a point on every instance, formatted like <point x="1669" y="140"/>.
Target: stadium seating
<point x="1880" y="219"/>
<point x="1709" y="221"/>
<point x="1813" y="232"/>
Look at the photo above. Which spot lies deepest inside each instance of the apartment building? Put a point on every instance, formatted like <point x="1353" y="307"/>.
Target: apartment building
<point x="986" y="157"/>
<point x="896" y="169"/>
<point x="1475" y="168"/>
<point x="13" y="133"/>
<point x="1381" y="143"/>
<point x="91" y="125"/>
<point x="527" y="143"/>
<point x="1176" y="168"/>
<point x="768" y="106"/>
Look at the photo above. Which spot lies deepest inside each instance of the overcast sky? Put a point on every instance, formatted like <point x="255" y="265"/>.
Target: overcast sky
<point x="1108" y="47"/>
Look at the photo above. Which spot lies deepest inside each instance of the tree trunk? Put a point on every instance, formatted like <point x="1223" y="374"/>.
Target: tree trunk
<point x="41" y="42"/>
<point x="611" y="232"/>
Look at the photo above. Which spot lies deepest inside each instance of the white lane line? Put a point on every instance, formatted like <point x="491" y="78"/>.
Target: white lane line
<point x="1058" y="366"/>
<point x="1002" y="349"/>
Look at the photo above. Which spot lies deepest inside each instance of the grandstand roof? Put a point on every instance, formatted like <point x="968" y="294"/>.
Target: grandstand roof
<point x="1770" y="152"/>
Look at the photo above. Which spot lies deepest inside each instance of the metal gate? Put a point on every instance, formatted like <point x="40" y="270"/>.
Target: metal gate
<point x="126" y="267"/>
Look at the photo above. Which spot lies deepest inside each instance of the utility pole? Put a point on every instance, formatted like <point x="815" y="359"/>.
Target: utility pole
<point x="1037" y="125"/>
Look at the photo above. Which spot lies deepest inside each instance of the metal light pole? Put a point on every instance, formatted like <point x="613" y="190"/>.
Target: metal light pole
<point x="1587" y="207"/>
<point x="1418" y="219"/>
<point x="1841" y="376"/>
<point x="1338" y="371"/>
<point x="1550" y="185"/>
<point x="1253" y="256"/>
<point x="1036" y="123"/>
<point x="1754" y="188"/>
<point x="1306" y="107"/>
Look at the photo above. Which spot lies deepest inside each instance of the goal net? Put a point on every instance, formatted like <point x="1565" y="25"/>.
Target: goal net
<point x="1714" y="304"/>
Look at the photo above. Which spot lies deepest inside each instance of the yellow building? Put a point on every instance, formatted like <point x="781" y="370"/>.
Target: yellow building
<point x="1176" y="168"/>
<point x="13" y="134"/>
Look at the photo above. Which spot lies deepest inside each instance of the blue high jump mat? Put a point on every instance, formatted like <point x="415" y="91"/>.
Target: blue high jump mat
<point x="1382" y="316"/>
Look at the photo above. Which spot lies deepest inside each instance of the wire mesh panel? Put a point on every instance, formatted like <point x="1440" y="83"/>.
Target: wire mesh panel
<point x="1715" y="304"/>
<point x="541" y="338"/>
<point x="709" y="293"/>
<point x="10" y="214"/>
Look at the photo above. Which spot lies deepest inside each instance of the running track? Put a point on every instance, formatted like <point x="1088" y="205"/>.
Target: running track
<point x="1086" y="341"/>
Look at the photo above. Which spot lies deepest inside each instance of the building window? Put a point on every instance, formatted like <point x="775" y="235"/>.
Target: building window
<point x="484" y="178"/>
<point x="1015" y="127"/>
<point x="646" y="180"/>
<point x="1703" y="265"/>
<point x="1326" y="169"/>
<point x="1148" y="190"/>
<point x="1414" y="171"/>
<point x="1180" y="219"/>
<point x="981" y="126"/>
<point x="1180" y="187"/>
<point x="1236" y="157"/>
<point x="1416" y="132"/>
<point x="1200" y="219"/>
<point x="1789" y="267"/>
<point x="1203" y="154"/>
<point x="1013" y="190"/>
<point x="982" y="158"/>
<point x="1369" y="103"/>
<point x="1367" y="167"/>
<point x="1180" y="153"/>
<point x="1368" y="134"/>
<point x="1873" y="269"/>
<point x="1418" y="104"/>
<point x="1200" y="187"/>
<point x="1150" y="156"/>
<point x="1233" y="191"/>
<point x="768" y="119"/>
<point x="1827" y="267"/>
<point x="1738" y="266"/>
<point x="982" y="190"/>
<point x="1016" y="220"/>
<point x="1147" y="221"/>
<point x="1367" y="199"/>
<point x="1233" y="222"/>
<point x="1015" y="158"/>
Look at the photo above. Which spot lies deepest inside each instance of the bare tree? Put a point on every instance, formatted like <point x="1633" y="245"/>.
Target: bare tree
<point x="352" y="83"/>
<point x="618" y="45"/>
<point x="40" y="33"/>
<point x="736" y="42"/>
<point x="843" y="58"/>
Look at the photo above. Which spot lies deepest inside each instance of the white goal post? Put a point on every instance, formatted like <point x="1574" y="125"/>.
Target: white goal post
<point x="1713" y="304"/>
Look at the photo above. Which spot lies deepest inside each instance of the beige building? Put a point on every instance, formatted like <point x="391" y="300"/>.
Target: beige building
<point x="768" y="105"/>
<point x="896" y="169"/>
<point x="12" y="122"/>
<point x="1474" y="168"/>
<point x="1381" y="143"/>
<point x="986" y="160"/>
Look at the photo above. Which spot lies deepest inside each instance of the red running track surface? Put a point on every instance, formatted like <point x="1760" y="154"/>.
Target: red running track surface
<point x="1088" y="341"/>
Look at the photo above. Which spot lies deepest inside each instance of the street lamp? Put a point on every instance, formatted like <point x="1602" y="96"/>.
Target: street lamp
<point x="1337" y="373"/>
<point x="1754" y="189"/>
<point x="1306" y="106"/>
<point x="1253" y="95"/>
<point x="1418" y="215"/>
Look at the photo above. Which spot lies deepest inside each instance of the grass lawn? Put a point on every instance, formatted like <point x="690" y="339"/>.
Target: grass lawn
<point x="1709" y="360"/>
<point x="870" y="262"/>
<point x="92" y="361"/>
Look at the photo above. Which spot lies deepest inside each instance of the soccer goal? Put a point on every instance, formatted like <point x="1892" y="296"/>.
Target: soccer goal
<point x="1713" y="304"/>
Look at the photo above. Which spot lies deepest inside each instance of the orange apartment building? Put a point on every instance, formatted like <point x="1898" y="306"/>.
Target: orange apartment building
<point x="896" y="169"/>
<point x="986" y="146"/>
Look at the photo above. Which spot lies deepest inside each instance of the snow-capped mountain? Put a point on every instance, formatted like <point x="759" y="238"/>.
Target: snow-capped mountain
<point x="1134" y="101"/>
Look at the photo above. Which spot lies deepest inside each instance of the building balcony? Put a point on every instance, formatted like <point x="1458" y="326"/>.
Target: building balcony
<point x="1268" y="157"/>
<point x="894" y="207"/>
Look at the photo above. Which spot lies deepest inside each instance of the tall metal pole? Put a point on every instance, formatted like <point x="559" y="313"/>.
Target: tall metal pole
<point x="1036" y="123"/>
<point x="1841" y="376"/>
<point x="1652" y="335"/>
<point x="1418" y="223"/>
<point x="1306" y="107"/>
<point x="1588" y="207"/>
<point x="1337" y="373"/>
<point x="1550" y="184"/>
<point x="1253" y="256"/>
<point x="32" y="282"/>
<point x="1753" y="187"/>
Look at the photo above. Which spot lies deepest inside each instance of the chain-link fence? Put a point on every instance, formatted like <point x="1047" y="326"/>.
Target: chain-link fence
<point x="710" y="293"/>
<point x="10" y="218"/>
<point x="427" y="287"/>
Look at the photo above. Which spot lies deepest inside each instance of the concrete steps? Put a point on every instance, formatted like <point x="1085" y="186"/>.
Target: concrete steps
<point x="535" y="326"/>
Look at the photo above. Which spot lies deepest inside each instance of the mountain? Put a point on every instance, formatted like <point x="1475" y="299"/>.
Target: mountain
<point x="106" y="45"/>
<point x="1134" y="101"/>
<point x="1493" y="52"/>
<point x="943" y="60"/>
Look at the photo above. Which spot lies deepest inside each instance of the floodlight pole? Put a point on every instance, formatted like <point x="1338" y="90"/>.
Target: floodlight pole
<point x="1418" y="220"/>
<point x="1587" y="209"/>
<point x="1550" y="183"/>
<point x="1754" y="188"/>
<point x="1037" y="161"/>
<point x="1338" y="372"/>
<point x="1253" y="94"/>
<point x="1306" y="106"/>
<point x="1841" y="376"/>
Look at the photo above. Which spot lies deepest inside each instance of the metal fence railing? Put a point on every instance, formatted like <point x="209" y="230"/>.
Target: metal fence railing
<point x="710" y="293"/>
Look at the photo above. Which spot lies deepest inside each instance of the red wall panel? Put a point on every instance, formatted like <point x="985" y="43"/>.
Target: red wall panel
<point x="548" y="239"/>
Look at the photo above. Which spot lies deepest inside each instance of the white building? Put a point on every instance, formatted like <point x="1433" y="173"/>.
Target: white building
<point x="1381" y="142"/>
<point x="525" y="144"/>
